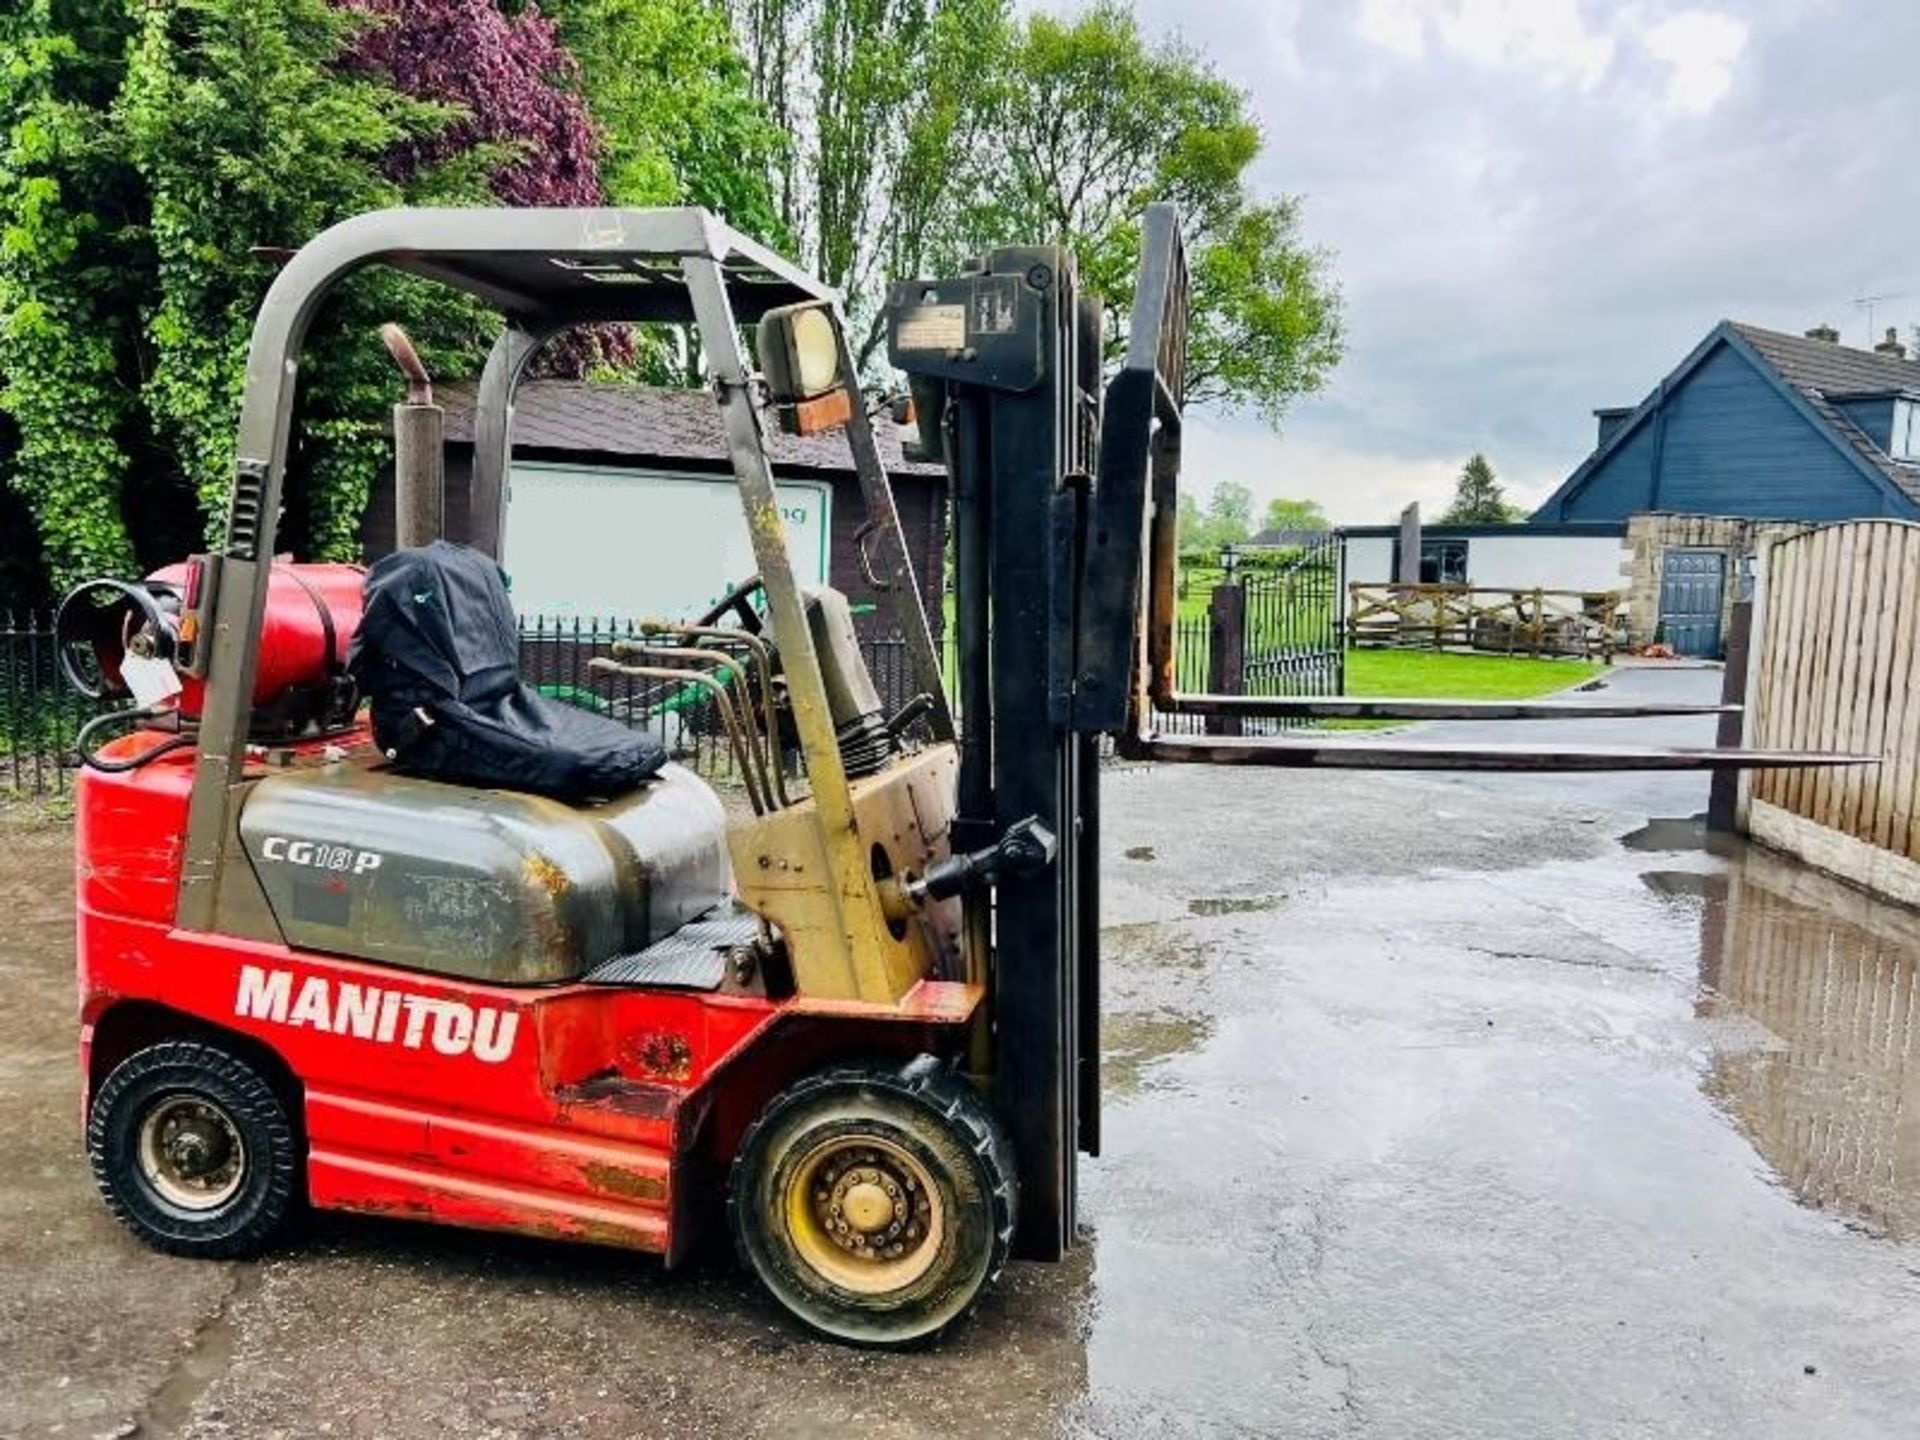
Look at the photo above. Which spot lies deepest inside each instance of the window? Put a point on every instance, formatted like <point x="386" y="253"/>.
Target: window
<point x="1905" y="441"/>
<point x="1444" y="562"/>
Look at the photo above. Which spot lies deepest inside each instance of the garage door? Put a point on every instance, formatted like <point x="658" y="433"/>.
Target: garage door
<point x="1691" y="586"/>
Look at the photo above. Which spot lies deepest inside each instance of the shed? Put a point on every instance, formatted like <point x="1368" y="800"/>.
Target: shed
<point x="621" y="503"/>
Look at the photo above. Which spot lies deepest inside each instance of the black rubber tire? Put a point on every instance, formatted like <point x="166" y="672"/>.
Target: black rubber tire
<point x="270" y="1174"/>
<point x="931" y="1112"/>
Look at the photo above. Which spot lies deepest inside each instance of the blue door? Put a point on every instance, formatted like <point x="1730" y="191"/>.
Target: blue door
<point x="1691" y="588"/>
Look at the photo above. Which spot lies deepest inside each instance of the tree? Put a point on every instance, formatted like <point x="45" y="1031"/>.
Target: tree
<point x="1226" y="520"/>
<point x="1188" y="524"/>
<point x="679" y="124"/>
<point x="71" y="265"/>
<point x="927" y="130"/>
<point x="1295" y="515"/>
<point x="255" y="123"/>
<point x="150" y="154"/>
<point x="884" y="101"/>
<point x="1089" y="124"/>
<point x="674" y="102"/>
<point x="1478" y="498"/>
<point x="1230" y="511"/>
<point x="505" y="86"/>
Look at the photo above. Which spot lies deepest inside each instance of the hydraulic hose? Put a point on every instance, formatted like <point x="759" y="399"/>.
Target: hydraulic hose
<point x="92" y="760"/>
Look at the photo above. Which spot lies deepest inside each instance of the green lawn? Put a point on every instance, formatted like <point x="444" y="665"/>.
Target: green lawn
<point x="1423" y="673"/>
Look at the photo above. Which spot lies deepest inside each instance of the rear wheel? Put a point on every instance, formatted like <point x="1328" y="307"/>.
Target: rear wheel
<point x="876" y="1203"/>
<point x="193" y="1150"/>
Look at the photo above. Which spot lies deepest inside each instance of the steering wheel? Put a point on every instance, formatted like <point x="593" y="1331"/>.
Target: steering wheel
<point x="738" y="600"/>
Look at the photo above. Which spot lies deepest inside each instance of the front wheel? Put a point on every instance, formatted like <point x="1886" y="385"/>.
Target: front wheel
<point x="193" y="1150"/>
<point x="876" y="1202"/>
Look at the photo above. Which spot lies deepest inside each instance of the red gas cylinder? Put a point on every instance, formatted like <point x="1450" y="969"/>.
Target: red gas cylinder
<point x="300" y="656"/>
<point x="311" y="615"/>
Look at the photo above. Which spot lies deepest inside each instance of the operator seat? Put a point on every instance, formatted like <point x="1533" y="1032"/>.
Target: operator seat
<point x="438" y="656"/>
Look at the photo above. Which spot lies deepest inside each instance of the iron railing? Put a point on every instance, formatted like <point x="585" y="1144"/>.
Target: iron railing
<point x="40" y="715"/>
<point x="1293" y="643"/>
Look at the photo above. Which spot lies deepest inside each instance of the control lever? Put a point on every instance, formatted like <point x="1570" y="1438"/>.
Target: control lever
<point x="1027" y="848"/>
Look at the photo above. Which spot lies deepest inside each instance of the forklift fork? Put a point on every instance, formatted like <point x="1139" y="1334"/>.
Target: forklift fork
<point x="1125" y="666"/>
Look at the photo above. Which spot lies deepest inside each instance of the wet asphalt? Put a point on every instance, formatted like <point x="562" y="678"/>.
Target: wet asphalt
<point x="1438" y="1105"/>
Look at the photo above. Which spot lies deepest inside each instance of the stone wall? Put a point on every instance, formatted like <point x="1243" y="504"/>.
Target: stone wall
<point x="1651" y="535"/>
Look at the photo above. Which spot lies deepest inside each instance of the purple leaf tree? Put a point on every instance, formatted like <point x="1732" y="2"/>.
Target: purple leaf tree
<point x="514" y="85"/>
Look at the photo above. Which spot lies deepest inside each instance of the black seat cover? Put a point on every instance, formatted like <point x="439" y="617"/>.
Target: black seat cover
<point x="438" y="656"/>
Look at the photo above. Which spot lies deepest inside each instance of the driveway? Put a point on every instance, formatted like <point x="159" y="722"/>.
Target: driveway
<point x="1438" y="1106"/>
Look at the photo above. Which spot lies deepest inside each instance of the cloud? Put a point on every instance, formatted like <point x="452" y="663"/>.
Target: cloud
<point x="1539" y="208"/>
<point x="1356" y="484"/>
<point x="1398" y="25"/>
<point x="1549" y="39"/>
<point x="1551" y="42"/>
<point x="1701" y="47"/>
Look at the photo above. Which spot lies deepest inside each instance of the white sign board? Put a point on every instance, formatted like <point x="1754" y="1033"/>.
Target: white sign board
<point x="603" y="543"/>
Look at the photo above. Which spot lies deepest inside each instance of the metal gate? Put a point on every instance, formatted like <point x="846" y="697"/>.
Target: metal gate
<point x="1272" y="631"/>
<point x="1293" y="642"/>
<point x="1692" y="587"/>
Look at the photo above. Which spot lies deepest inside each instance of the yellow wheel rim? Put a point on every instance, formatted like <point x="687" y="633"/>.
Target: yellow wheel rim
<point x="864" y="1214"/>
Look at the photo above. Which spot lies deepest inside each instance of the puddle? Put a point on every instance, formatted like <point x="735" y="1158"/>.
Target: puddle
<point x="207" y="1358"/>
<point x="1829" y="1094"/>
<point x="1685" y="884"/>
<point x="1235" y="904"/>
<point x="1132" y="1044"/>
<point x="1682" y="834"/>
<point x="1668" y="836"/>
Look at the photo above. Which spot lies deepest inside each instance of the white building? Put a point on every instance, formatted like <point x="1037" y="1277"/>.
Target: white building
<point x="1587" y="557"/>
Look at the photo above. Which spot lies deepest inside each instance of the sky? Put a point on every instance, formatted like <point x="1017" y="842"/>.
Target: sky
<point x="1538" y="207"/>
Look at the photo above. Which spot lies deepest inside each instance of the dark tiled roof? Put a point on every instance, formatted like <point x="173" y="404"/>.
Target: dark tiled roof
<point x="1823" y="372"/>
<point x="648" y="422"/>
<point x="1830" y="369"/>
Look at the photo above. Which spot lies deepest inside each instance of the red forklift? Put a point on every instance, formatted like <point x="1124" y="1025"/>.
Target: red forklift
<point x="458" y="956"/>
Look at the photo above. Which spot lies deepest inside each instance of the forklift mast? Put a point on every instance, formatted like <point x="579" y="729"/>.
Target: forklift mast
<point x="1005" y="363"/>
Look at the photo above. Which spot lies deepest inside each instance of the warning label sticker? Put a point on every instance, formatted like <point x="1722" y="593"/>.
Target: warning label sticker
<point x="996" y="305"/>
<point x="932" y="327"/>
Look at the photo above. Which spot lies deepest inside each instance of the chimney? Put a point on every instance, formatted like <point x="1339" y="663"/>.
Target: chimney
<point x="1824" y="332"/>
<point x="1891" y="345"/>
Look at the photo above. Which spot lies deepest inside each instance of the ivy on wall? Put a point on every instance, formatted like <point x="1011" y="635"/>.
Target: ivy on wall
<point x="158" y="158"/>
<point x="71" y="223"/>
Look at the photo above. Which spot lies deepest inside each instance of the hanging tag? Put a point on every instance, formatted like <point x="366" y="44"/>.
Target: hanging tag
<point x="151" y="680"/>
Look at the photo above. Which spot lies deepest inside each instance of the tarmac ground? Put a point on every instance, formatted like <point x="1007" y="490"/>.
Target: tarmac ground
<point x="1437" y="1105"/>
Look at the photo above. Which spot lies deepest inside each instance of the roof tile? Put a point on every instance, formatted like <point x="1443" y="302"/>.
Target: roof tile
<point x="652" y="422"/>
<point x="1823" y="371"/>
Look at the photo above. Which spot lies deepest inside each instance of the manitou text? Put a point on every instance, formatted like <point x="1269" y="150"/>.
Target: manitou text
<point x="370" y="1012"/>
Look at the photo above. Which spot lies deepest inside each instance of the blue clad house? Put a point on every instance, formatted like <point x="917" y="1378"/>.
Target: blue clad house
<point x="1761" y="426"/>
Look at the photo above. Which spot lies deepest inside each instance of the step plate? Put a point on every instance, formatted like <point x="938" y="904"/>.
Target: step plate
<point x="694" y="957"/>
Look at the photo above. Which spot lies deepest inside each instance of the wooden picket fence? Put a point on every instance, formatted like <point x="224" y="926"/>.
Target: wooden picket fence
<point x="1586" y="623"/>
<point x="1837" y="667"/>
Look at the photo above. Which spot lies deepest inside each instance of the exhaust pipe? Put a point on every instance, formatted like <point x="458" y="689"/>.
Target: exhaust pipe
<point x="419" y="450"/>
